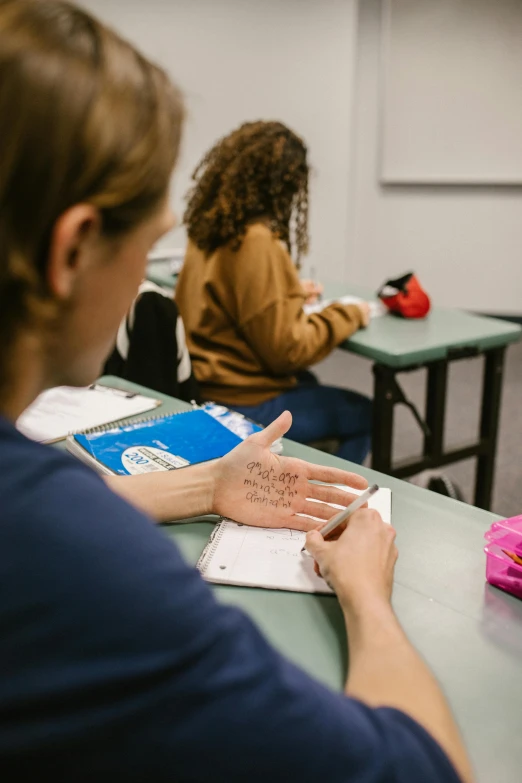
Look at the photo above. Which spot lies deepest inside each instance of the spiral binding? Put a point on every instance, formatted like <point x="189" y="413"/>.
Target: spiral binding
<point x="211" y="548"/>
<point x="126" y="422"/>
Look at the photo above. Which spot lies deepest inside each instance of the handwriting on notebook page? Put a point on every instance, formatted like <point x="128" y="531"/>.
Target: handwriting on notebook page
<point x="269" y="557"/>
<point x="265" y="557"/>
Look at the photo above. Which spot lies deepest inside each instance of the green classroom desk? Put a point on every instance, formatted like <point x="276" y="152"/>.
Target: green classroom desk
<point x="397" y="345"/>
<point x="469" y="633"/>
<point x="159" y="272"/>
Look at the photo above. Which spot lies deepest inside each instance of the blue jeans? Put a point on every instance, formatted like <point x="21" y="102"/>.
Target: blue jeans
<point x="321" y="412"/>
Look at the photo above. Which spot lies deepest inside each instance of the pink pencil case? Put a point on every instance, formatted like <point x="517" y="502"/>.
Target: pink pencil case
<point x="501" y="570"/>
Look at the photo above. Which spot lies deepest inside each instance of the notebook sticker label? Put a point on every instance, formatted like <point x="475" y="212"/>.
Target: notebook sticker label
<point x="147" y="459"/>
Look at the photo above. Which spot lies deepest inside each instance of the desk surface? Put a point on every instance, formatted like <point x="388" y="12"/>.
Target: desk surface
<point x="469" y="632"/>
<point x="400" y="342"/>
<point x="159" y="272"/>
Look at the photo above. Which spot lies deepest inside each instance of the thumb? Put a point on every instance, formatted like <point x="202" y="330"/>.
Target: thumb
<point x="275" y="430"/>
<point x="315" y="544"/>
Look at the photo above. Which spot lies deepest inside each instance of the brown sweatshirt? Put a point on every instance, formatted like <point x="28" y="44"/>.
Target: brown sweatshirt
<point x="243" y="313"/>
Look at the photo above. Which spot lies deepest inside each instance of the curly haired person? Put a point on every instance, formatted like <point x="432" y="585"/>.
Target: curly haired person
<point x="241" y="298"/>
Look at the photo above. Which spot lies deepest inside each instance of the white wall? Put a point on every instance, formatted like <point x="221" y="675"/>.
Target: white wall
<point x="465" y="242"/>
<point x="314" y="64"/>
<point x="456" y="118"/>
<point x="238" y="60"/>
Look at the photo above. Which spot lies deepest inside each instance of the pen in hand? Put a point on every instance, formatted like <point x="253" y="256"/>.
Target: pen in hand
<point x="343" y="515"/>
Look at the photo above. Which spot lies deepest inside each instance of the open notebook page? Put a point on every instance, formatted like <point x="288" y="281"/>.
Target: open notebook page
<point x="377" y="308"/>
<point x="65" y="409"/>
<point x="270" y="558"/>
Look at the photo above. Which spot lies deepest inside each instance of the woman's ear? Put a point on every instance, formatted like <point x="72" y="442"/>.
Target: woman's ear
<point x="74" y="241"/>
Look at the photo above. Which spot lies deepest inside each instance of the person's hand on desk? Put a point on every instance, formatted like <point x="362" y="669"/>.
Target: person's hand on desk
<point x="256" y="487"/>
<point x="313" y="291"/>
<point x="250" y="485"/>
<point x="385" y="670"/>
<point x="364" y="309"/>
<point x="359" y="565"/>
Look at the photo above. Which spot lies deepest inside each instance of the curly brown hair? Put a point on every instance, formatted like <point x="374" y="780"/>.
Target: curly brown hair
<point x="258" y="171"/>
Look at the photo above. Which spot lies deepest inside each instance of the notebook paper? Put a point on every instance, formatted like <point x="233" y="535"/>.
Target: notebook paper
<point x="377" y="308"/>
<point x="260" y="557"/>
<point x="269" y="558"/>
<point x="57" y="412"/>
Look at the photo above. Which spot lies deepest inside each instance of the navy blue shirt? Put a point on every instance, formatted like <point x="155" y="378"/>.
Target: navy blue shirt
<point x="117" y="662"/>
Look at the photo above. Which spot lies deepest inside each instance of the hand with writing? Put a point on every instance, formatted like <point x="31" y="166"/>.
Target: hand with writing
<point x="256" y="487"/>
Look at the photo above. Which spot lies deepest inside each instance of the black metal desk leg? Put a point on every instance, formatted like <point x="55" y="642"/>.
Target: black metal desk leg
<point x="436" y="408"/>
<point x="382" y="432"/>
<point x="491" y="395"/>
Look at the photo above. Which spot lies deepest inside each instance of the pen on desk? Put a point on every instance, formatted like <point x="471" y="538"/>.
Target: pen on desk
<point x="343" y="515"/>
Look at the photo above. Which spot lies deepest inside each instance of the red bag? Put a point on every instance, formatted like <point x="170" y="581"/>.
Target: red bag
<point x="405" y="296"/>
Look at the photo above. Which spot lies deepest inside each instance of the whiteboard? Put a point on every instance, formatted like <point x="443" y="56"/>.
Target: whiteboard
<point x="451" y="92"/>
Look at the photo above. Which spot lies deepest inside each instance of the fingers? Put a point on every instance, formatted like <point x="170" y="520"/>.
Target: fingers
<point x="298" y="522"/>
<point x="330" y="495"/>
<point x="275" y="430"/>
<point x="364" y="309"/>
<point x="316" y="509"/>
<point x="335" y="476"/>
<point x="368" y="524"/>
<point x="315" y="544"/>
<point x="311" y="287"/>
<point x="368" y="519"/>
<point x="337" y="532"/>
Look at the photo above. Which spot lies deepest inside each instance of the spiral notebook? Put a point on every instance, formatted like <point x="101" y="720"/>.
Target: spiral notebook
<point x="164" y="442"/>
<point x="267" y="557"/>
<point x="153" y="444"/>
<point x="64" y="409"/>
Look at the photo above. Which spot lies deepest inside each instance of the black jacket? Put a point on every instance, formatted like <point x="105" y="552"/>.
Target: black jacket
<point x="151" y="349"/>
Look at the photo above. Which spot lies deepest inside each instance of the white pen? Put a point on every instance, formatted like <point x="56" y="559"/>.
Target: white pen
<point x="343" y="515"/>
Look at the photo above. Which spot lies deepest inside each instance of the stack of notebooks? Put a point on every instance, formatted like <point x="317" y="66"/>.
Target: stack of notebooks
<point x="95" y="420"/>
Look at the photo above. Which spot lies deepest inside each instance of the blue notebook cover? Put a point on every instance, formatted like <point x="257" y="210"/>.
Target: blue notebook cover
<point x="233" y="421"/>
<point x="161" y="443"/>
<point x="237" y="423"/>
